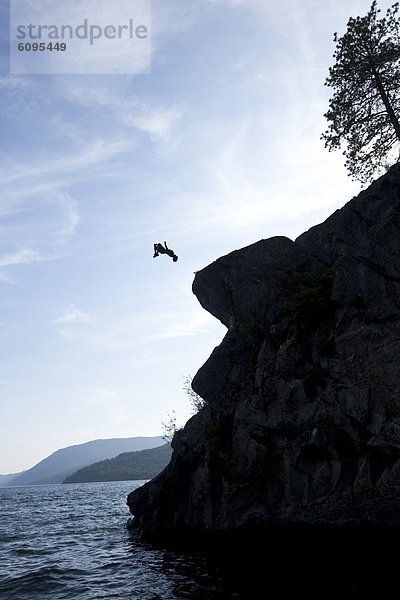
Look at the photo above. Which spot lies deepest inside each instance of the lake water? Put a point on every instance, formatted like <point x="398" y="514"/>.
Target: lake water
<point x="71" y="541"/>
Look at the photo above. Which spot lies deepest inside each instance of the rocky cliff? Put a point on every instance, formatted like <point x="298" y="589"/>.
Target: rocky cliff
<point x="302" y="416"/>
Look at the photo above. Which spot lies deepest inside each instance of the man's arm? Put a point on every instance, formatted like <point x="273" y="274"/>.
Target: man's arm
<point x="166" y="247"/>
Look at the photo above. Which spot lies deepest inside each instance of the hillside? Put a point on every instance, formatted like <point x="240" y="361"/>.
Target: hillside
<point x="6" y="479"/>
<point x="143" y="464"/>
<point x="62" y="463"/>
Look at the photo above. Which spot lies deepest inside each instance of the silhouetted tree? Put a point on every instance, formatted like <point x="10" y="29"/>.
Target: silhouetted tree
<point x="169" y="428"/>
<point x="365" y="107"/>
<point x="195" y="400"/>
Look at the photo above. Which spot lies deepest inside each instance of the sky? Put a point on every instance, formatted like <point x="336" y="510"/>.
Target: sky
<point x="214" y="148"/>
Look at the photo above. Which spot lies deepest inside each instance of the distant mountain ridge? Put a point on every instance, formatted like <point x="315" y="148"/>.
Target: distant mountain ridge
<point x="128" y="466"/>
<point x="4" y="479"/>
<point x="62" y="463"/>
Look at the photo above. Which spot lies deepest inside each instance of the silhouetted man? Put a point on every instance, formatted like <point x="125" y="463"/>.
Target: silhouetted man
<point x="160" y="249"/>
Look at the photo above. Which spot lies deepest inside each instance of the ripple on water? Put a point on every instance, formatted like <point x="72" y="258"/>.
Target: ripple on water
<point x="75" y="544"/>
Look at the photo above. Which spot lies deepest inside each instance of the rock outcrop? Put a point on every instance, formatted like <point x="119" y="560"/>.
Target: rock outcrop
<point x="302" y="417"/>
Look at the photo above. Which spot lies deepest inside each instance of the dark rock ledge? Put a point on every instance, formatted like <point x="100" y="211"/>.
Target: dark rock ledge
<point x="302" y="419"/>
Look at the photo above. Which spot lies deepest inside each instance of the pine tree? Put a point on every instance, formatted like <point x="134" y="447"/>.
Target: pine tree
<point x="365" y="108"/>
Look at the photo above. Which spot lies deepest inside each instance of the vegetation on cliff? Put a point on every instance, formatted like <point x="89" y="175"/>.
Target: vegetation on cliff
<point x="308" y="294"/>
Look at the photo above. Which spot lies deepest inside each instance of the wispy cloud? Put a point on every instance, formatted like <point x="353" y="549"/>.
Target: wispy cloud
<point x="158" y="123"/>
<point x="74" y="324"/>
<point x="34" y="229"/>
<point x="72" y="217"/>
<point x="38" y="214"/>
<point x="124" y="107"/>
<point x="173" y="327"/>
<point x="96" y="395"/>
<point x="23" y="256"/>
<point x="73" y="315"/>
<point x="5" y="278"/>
<point x="92" y="154"/>
<point x="113" y="331"/>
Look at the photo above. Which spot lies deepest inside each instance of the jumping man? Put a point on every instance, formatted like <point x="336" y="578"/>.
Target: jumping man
<point x="160" y="249"/>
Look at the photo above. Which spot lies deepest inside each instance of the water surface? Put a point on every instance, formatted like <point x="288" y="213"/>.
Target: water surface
<point x="71" y="541"/>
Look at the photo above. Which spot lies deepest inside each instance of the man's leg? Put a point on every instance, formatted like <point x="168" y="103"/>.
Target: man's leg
<point x="155" y="251"/>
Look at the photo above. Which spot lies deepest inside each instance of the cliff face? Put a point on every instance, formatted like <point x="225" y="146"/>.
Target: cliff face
<point x="302" y="415"/>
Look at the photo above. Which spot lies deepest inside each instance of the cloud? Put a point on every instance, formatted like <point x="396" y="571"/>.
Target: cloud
<point x="96" y="395"/>
<point x="123" y="107"/>
<point x="158" y="123"/>
<point x="177" y="326"/>
<point x="72" y="217"/>
<point x="22" y="256"/>
<point x="73" y="315"/>
<point x="166" y="323"/>
<point x="34" y="229"/>
<point x="75" y="325"/>
<point x="171" y="19"/>
<point x="118" y="330"/>
<point x="5" y="278"/>
<point x="62" y="169"/>
<point x="38" y="214"/>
